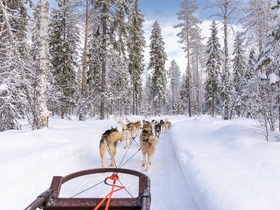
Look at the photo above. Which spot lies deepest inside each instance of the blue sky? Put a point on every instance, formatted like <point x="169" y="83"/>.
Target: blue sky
<point x="157" y="8"/>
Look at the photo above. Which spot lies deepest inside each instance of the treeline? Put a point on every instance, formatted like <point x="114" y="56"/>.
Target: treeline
<point x="86" y="58"/>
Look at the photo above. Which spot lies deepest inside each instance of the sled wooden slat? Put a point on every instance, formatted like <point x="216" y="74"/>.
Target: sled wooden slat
<point x="50" y="199"/>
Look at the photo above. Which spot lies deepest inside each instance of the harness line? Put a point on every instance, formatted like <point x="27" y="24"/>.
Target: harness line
<point x="125" y="153"/>
<point x="86" y="189"/>
<point x="129" y="158"/>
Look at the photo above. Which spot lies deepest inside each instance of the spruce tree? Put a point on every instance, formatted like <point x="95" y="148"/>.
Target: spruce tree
<point x="64" y="45"/>
<point x="157" y="61"/>
<point x="175" y="77"/>
<point x="249" y="80"/>
<point x="184" y="94"/>
<point x="213" y="72"/>
<point x="239" y="71"/>
<point x="136" y="44"/>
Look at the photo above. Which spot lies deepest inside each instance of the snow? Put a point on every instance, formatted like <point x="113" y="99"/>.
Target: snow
<point x="200" y="163"/>
<point x="273" y="78"/>
<point x="3" y="87"/>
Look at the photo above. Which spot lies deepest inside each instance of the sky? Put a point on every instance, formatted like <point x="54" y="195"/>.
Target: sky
<point x="200" y="163"/>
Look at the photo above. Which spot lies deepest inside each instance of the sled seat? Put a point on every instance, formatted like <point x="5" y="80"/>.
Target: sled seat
<point x="50" y="200"/>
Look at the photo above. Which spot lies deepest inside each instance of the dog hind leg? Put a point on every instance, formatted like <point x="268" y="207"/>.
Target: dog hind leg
<point x="102" y="152"/>
<point x="113" y="154"/>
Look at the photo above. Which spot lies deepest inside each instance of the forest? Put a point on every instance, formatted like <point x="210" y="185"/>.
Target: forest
<point x="86" y="58"/>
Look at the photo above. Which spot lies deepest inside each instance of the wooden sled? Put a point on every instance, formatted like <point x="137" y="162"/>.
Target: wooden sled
<point x="50" y="200"/>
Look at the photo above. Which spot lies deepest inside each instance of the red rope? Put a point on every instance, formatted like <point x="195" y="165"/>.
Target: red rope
<point x="114" y="178"/>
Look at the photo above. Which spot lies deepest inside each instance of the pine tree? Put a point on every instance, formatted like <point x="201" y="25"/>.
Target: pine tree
<point x="184" y="94"/>
<point x="239" y="67"/>
<point x="175" y="77"/>
<point x="188" y="35"/>
<point x="213" y="72"/>
<point x="250" y="65"/>
<point x="136" y="44"/>
<point x="147" y="95"/>
<point x="248" y="94"/>
<point x="157" y="61"/>
<point x="64" y="42"/>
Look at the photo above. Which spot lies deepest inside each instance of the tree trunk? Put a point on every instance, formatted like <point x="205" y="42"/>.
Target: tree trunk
<point x="197" y="84"/>
<point x="85" y="52"/>
<point x="83" y="92"/>
<point x="133" y="96"/>
<point x="44" y="64"/>
<point x="103" y="66"/>
<point x="189" y="75"/>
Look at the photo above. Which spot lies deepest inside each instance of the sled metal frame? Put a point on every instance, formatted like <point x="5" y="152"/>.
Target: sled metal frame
<point x="50" y="200"/>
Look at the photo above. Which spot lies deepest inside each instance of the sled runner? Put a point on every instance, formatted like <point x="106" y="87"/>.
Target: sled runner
<point x="51" y="200"/>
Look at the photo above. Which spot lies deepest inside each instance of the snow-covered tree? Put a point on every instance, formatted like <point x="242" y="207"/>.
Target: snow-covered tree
<point x="113" y="29"/>
<point x="247" y="94"/>
<point x="239" y="73"/>
<point x="136" y="44"/>
<point x="226" y="11"/>
<point x="189" y="34"/>
<point x="184" y="94"/>
<point x="175" y="82"/>
<point x="15" y="91"/>
<point x="93" y="68"/>
<point x="213" y="72"/>
<point x="147" y="95"/>
<point x="250" y="65"/>
<point x="268" y="63"/>
<point x="256" y="19"/>
<point x="64" y="45"/>
<point x="157" y="61"/>
<point x="198" y="64"/>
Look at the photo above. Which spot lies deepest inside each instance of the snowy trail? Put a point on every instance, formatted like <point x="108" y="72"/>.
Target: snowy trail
<point x="165" y="173"/>
<point x="168" y="179"/>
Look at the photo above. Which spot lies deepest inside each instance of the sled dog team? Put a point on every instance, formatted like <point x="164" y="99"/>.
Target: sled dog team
<point x="148" y="139"/>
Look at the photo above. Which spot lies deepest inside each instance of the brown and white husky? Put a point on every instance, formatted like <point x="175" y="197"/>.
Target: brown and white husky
<point x="148" y="144"/>
<point x="127" y="132"/>
<point x="108" y="143"/>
